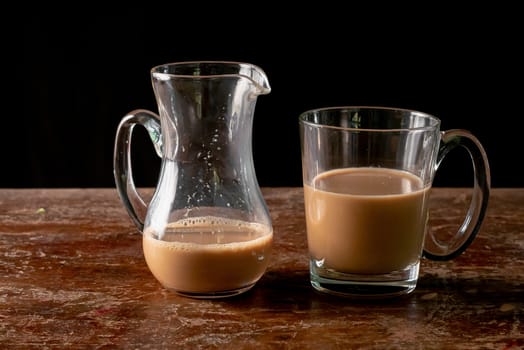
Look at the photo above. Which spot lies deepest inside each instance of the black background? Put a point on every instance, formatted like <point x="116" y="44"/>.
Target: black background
<point x="84" y="69"/>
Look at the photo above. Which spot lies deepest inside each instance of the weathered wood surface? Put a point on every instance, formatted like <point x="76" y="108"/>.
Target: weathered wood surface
<point x="72" y="275"/>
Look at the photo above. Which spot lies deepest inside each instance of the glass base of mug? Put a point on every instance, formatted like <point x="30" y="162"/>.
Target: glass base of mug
<point x="213" y="295"/>
<point x="364" y="286"/>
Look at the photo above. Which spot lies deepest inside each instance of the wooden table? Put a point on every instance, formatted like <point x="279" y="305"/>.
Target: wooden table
<point x="72" y="275"/>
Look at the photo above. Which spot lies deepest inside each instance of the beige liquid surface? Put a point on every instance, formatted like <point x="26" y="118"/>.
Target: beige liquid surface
<point x="207" y="255"/>
<point x="366" y="220"/>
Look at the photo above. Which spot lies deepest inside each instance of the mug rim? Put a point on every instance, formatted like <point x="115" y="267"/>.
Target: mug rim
<point x="435" y="121"/>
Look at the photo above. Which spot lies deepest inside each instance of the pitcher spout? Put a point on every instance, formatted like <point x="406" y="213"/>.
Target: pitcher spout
<point x="257" y="76"/>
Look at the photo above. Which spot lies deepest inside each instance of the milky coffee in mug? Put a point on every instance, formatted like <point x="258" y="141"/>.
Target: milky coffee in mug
<point x="367" y="176"/>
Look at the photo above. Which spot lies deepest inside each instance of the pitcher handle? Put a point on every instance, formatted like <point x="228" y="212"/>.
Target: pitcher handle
<point x="122" y="169"/>
<point x="436" y="249"/>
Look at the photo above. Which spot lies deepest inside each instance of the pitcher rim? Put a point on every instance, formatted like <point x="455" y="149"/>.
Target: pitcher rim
<point x="263" y="86"/>
<point x="435" y="121"/>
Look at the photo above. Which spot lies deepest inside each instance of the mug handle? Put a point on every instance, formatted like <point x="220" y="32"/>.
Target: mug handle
<point x="122" y="170"/>
<point x="436" y="249"/>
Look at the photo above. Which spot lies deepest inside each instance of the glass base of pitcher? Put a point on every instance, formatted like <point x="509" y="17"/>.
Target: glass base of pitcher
<point x="365" y="286"/>
<point x="214" y="295"/>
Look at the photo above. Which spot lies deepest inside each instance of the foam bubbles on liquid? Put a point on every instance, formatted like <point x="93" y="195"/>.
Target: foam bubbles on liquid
<point x="208" y="231"/>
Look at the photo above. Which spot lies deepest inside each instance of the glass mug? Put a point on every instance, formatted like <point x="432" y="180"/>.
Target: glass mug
<point x="206" y="232"/>
<point x="367" y="176"/>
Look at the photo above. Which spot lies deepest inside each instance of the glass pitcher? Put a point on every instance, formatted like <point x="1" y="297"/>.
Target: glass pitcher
<point x="206" y="232"/>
